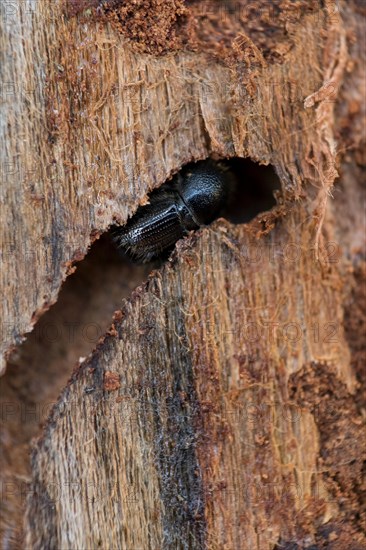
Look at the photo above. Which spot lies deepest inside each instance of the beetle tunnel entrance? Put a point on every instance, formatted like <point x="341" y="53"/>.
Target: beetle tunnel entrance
<point x="254" y="191"/>
<point x="201" y="192"/>
<point x="40" y="367"/>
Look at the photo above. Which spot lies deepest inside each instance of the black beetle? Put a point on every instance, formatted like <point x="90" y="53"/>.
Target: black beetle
<point x="195" y="196"/>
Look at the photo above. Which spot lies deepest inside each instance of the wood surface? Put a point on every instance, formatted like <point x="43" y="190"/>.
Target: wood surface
<point x="223" y="408"/>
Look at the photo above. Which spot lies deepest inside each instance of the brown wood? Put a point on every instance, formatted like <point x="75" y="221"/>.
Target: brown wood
<point x="223" y="409"/>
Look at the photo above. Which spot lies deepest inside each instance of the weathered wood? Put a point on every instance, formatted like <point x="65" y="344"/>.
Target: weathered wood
<point x="218" y="410"/>
<point x="200" y="442"/>
<point x="91" y="127"/>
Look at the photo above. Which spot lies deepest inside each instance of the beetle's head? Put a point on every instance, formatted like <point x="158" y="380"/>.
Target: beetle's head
<point x="205" y="189"/>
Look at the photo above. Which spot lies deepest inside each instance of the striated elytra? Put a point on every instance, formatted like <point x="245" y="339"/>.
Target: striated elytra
<point x="196" y="196"/>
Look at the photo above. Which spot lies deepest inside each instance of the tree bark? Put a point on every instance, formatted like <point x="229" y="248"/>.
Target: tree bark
<point x="223" y="408"/>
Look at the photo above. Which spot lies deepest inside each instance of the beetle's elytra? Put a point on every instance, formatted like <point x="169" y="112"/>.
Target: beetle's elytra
<point x="194" y="197"/>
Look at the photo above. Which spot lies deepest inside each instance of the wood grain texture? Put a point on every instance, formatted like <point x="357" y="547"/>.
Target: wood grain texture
<point x="223" y="407"/>
<point x="91" y="127"/>
<point x="200" y="443"/>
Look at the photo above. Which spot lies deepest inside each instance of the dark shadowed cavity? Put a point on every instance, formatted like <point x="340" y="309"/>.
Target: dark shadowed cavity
<point x="255" y="185"/>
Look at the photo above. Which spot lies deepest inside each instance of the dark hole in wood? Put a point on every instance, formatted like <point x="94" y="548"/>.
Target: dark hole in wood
<point x="71" y="328"/>
<point x="254" y="190"/>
